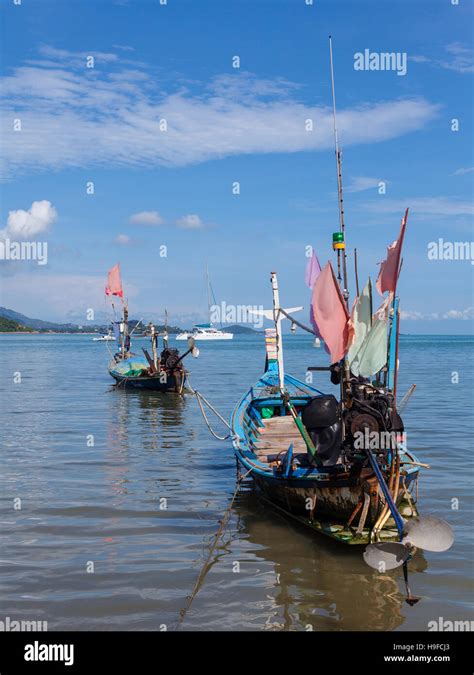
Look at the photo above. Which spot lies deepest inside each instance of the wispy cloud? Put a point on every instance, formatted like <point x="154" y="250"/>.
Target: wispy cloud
<point x="462" y="314"/>
<point x="123" y="239"/>
<point x="362" y="183"/>
<point x="151" y="218"/>
<point x="190" y="222"/>
<point x="458" y="58"/>
<point x="117" y="115"/>
<point x="429" y="206"/>
<point x="463" y="172"/>
<point x="56" y="296"/>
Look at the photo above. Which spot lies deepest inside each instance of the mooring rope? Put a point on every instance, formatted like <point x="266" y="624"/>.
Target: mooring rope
<point x="200" y="399"/>
<point x="207" y="563"/>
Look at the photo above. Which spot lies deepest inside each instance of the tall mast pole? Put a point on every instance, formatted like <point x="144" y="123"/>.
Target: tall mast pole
<point x="341" y="253"/>
<point x="277" y="318"/>
<point x="208" y="294"/>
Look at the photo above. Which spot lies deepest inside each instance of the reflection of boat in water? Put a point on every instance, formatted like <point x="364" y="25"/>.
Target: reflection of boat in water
<point x="319" y="587"/>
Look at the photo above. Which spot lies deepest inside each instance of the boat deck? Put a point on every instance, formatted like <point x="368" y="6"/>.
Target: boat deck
<point x="275" y="437"/>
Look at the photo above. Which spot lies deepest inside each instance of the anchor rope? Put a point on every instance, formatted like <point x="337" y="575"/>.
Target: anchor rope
<point x="200" y="399"/>
<point x="206" y="566"/>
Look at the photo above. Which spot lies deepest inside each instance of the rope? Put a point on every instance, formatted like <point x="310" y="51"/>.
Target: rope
<point x="200" y="399"/>
<point x="207" y="563"/>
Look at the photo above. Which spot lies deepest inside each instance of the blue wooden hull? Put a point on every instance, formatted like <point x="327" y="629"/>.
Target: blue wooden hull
<point x="309" y="493"/>
<point x="132" y="373"/>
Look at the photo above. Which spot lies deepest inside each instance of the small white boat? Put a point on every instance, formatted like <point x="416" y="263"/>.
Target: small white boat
<point x="205" y="332"/>
<point x="104" y="338"/>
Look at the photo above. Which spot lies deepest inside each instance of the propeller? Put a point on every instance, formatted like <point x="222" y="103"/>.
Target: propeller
<point x="386" y="555"/>
<point x="429" y="533"/>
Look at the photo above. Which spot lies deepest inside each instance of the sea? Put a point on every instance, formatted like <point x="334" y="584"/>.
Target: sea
<point x="110" y="499"/>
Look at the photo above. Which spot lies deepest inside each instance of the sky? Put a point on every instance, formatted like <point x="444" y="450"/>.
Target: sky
<point x="161" y="154"/>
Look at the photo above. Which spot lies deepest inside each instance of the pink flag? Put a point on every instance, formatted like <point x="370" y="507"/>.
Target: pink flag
<point x="330" y="314"/>
<point x="390" y="268"/>
<point x="313" y="270"/>
<point x="114" y="285"/>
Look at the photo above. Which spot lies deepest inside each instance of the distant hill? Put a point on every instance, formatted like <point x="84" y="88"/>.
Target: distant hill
<point x="35" y="324"/>
<point x="9" y="315"/>
<point x="236" y="329"/>
<point x="10" y="326"/>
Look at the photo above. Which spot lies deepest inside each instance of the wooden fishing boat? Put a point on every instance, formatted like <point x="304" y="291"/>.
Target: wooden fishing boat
<point x="328" y="497"/>
<point x="162" y="370"/>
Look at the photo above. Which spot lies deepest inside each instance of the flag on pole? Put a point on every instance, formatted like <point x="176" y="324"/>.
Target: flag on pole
<point x="330" y="314"/>
<point x="372" y="355"/>
<point x="313" y="270"/>
<point x="390" y="268"/>
<point x="114" y="284"/>
<point x="361" y="320"/>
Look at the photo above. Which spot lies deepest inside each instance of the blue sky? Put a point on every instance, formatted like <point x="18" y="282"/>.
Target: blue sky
<point x="225" y="124"/>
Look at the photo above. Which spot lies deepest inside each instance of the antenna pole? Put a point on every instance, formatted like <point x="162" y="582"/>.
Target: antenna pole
<point x="341" y="253"/>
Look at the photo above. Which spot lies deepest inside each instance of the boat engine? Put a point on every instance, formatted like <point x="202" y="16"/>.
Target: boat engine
<point x="169" y="358"/>
<point x="322" y="419"/>
<point x="372" y="412"/>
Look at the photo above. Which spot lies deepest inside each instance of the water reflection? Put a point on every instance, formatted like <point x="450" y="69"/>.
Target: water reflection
<point x="320" y="584"/>
<point x="158" y="416"/>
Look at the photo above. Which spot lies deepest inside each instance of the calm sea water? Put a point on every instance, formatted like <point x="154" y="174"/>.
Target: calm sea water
<point x="102" y="507"/>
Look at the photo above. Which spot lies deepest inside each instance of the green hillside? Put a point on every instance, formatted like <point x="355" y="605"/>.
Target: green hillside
<point x="10" y="326"/>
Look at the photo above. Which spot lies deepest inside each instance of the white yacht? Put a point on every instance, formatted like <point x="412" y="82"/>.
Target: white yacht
<point x="206" y="331"/>
<point x="104" y="338"/>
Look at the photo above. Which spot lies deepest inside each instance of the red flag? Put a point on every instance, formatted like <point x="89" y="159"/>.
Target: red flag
<point x="114" y="284"/>
<point x="390" y="268"/>
<point x="330" y="314"/>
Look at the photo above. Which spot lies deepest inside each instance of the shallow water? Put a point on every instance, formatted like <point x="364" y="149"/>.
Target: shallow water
<point x="140" y="506"/>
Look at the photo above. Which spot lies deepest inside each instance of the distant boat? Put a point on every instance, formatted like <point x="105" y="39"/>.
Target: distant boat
<point x="159" y="371"/>
<point x="105" y="338"/>
<point x="206" y="331"/>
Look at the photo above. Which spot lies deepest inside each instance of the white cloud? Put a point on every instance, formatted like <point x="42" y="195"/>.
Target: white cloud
<point x="56" y="296"/>
<point x="23" y="224"/>
<point x="463" y="314"/>
<point x="431" y="206"/>
<point x="73" y="116"/>
<point x="459" y="58"/>
<point x="123" y="239"/>
<point x="462" y="172"/>
<point x="462" y="58"/>
<point x="362" y="183"/>
<point x="146" y="218"/>
<point x="190" y="222"/>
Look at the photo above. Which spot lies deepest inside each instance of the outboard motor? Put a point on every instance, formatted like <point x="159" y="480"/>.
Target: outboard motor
<point x="321" y="418"/>
<point x="169" y="358"/>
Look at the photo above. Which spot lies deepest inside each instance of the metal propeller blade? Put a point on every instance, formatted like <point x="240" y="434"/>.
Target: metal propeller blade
<point x="386" y="555"/>
<point x="429" y="533"/>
